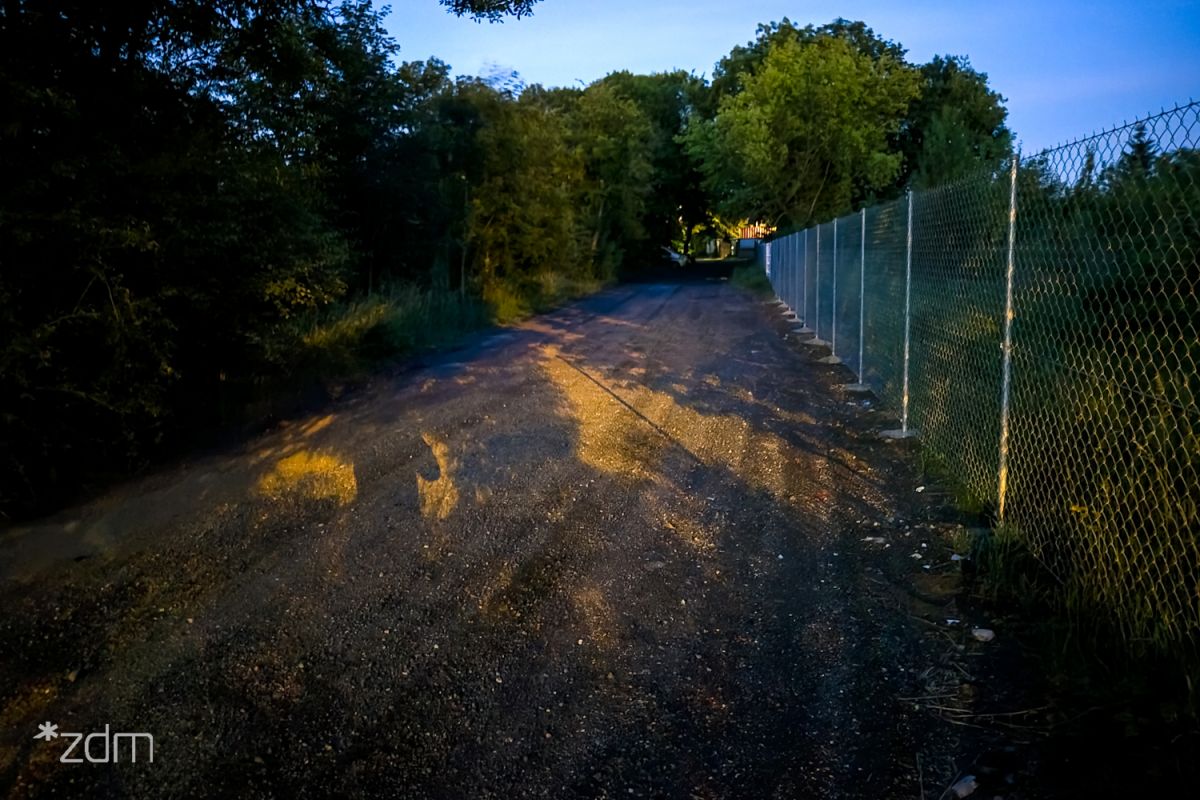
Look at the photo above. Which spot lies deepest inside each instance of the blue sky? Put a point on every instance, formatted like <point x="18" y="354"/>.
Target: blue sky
<point x="1067" y="69"/>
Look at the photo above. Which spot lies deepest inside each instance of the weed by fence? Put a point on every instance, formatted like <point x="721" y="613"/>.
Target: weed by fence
<point x="1038" y="326"/>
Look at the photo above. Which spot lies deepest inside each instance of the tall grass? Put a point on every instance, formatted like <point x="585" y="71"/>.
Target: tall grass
<point x="752" y="278"/>
<point x="348" y="339"/>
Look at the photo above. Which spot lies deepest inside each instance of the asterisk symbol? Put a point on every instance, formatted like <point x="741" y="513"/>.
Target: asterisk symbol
<point x="47" y="731"/>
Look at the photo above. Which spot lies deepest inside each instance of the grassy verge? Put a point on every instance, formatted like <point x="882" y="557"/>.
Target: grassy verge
<point x="512" y="301"/>
<point x="752" y="278"/>
<point x="1078" y="635"/>
<point x="1128" y="707"/>
<point x="348" y="340"/>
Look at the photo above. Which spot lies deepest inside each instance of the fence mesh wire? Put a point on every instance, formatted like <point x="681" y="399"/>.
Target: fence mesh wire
<point x="809" y="265"/>
<point x="1106" y="421"/>
<point x="1103" y="456"/>
<point x="959" y="256"/>
<point x="825" y="283"/>
<point x="846" y="300"/>
<point x="883" y="306"/>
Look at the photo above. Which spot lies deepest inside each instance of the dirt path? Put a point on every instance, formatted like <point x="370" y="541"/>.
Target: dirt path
<point x="617" y="552"/>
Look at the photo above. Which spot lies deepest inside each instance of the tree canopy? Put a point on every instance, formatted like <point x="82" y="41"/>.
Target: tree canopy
<point x="807" y="132"/>
<point x="491" y="10"/>
<point x="805" y="123"/>
<point x="955" y="124"/>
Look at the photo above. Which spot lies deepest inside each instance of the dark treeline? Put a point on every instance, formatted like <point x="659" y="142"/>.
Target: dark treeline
<point x="205" y="203"/>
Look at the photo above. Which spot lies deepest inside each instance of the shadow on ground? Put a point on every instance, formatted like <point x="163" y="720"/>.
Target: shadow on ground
<point x="617" y="550"/>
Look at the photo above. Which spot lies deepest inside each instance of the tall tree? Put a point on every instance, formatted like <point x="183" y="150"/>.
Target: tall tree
<point x="676" y="202"/>
<point x="615" y="139"/>
<point x="1137" y="161"/>
<point x="807" y="134"/>
<point x="746" y="59"/>
<point x="955" y="126"/>
<point x="523" y="211"/>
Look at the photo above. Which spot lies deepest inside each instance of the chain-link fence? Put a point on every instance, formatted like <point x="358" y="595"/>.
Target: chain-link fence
<point x="1038" y="327"/>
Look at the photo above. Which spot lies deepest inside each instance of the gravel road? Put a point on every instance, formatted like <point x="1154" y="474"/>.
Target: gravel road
<point x="616" y="551"/>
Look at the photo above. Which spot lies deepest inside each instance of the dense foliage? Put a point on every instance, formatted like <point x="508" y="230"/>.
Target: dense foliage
<point x="204" y="203"/>
<point x="806" y="123"/>
<point x="491" y="10"/>
<point x="807" y="133"/>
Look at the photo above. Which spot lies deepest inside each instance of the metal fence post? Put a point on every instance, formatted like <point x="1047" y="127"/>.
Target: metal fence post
<point x="833" y="305"/>
<point x="1006" y="348"/>
<point x="862" y="285"/>
<point x="861" y="385"/>
<point x="792" y="275"/>
<point x="793" y="269"/>
<point x="791" y="298"/>
<point x="787" y="266"/>
<point x="778" y="268"/>
<point x="804" y="286"/>
<point x="782" y="279"/>
<point x="817" y="288"/>
<point x="832" y="358"/>
<point x="904" y="432"/>
<point x="817" y="341"/>
<point x="796" y="286"/>
<point x="774" y="274"/>
<point x="792" y="280"/>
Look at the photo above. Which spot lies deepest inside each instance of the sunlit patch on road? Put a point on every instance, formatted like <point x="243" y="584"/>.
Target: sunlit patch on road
<point x="629" y="430"/>
<point x="310" y="475"/>
<point x="438" y="496"/>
